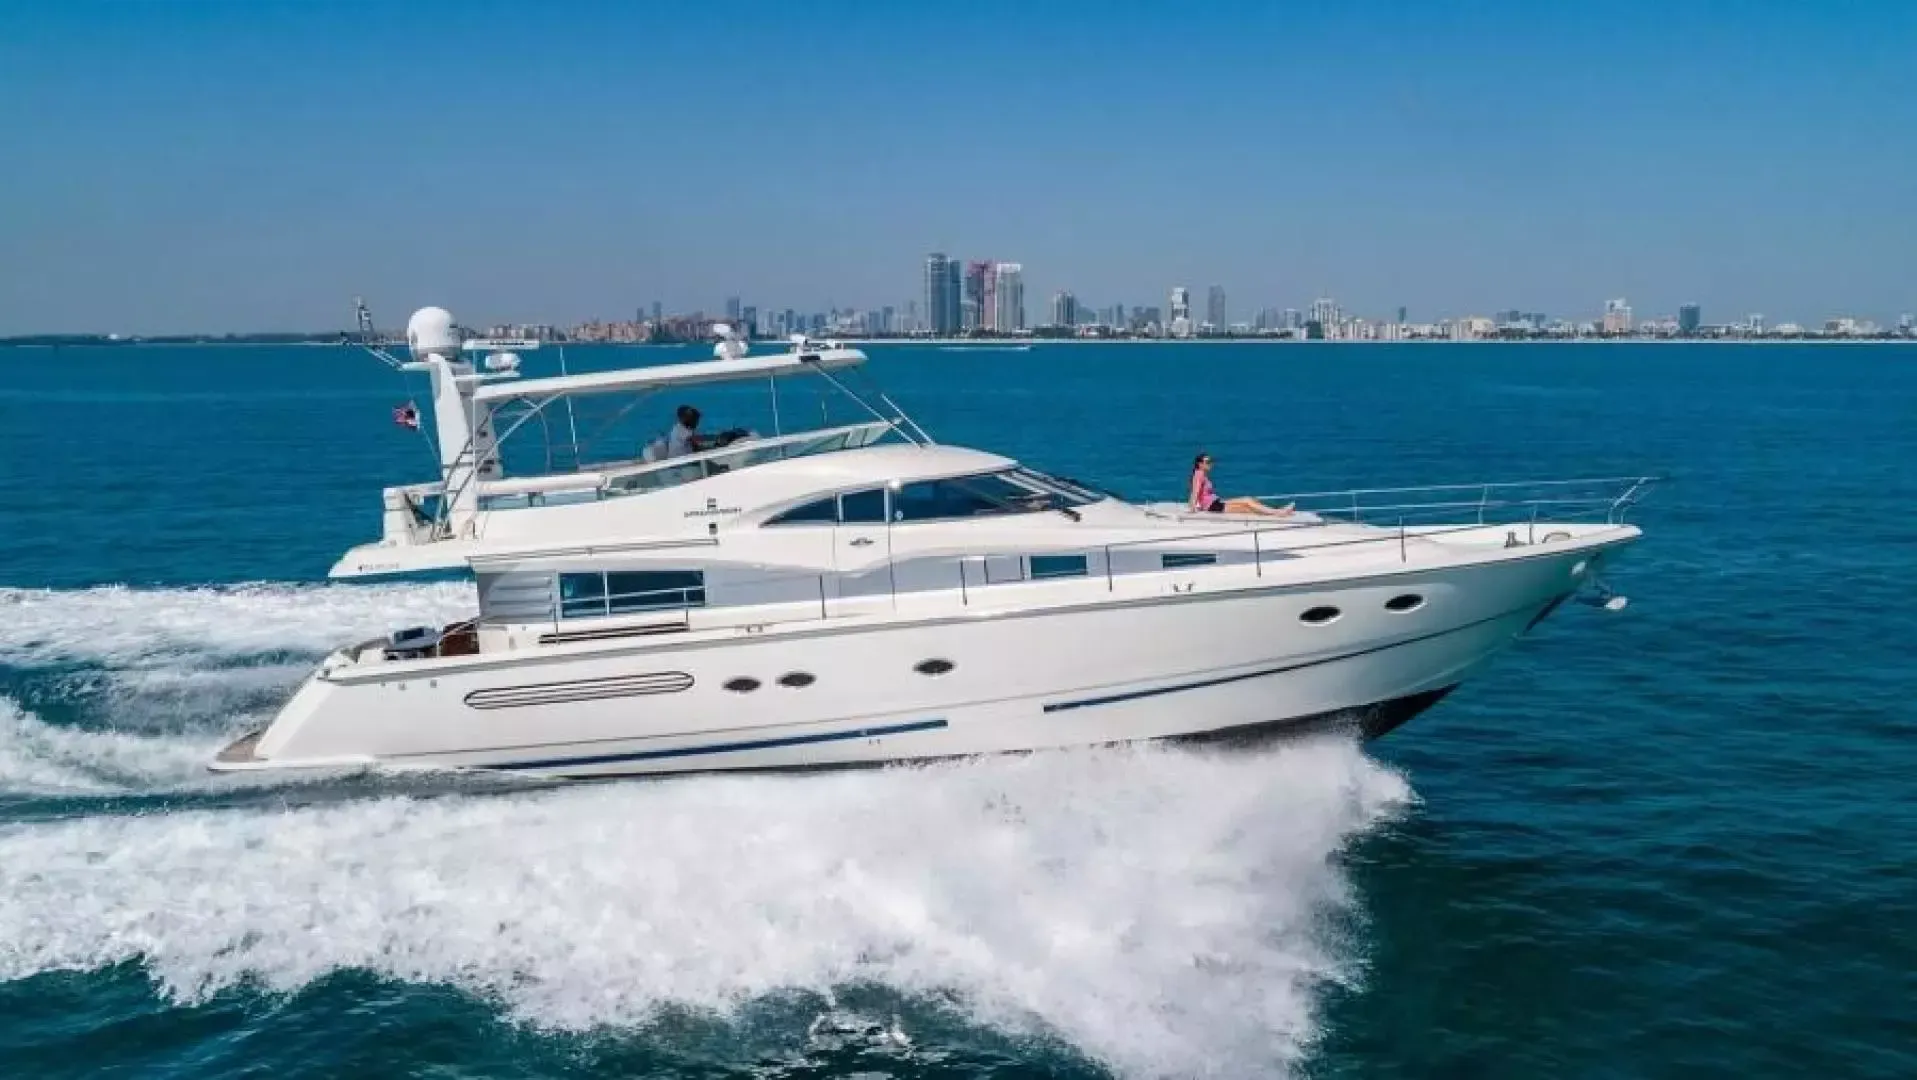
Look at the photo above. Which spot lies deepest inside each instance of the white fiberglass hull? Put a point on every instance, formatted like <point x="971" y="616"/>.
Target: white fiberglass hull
<point x="858" y="692"/>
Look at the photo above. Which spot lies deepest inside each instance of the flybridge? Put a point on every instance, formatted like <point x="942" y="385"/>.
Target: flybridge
<point x="479" y="402"/>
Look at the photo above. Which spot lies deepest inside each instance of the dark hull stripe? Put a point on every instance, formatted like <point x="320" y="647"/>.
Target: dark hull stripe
<point x="1370" y="721"/>
<point x="725" y="748"/>
<point x="1222" y="680"/>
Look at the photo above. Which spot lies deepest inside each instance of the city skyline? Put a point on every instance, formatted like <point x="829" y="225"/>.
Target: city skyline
<point x="236" y="165"/>
<point x="964" y="299"/>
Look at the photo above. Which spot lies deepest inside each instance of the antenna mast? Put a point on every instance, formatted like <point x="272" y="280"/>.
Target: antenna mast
<point x="369" y="337"/>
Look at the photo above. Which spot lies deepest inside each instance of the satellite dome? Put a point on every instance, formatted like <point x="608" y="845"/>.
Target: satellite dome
<point x="430" y="332"/>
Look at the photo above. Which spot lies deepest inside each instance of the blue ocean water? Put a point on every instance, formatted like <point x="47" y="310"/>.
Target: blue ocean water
<point x="1679" y="840"/>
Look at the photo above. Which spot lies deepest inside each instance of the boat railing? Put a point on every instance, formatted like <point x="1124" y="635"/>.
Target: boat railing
<point x="1488" y="503"/>
<point x="635" y="477"/>
<point x="1400" y="515"/>
<point x="670" y="472"/>
<point x="1395" y="522"/>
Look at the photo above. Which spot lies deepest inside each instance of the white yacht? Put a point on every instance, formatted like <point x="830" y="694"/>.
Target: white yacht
<point x="860" y="594"/>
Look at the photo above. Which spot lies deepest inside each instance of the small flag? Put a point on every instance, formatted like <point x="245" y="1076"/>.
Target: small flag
<point x="407" y="416"/>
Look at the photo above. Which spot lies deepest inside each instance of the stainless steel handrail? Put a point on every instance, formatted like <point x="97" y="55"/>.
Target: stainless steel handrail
<point x="1477" y="486"/>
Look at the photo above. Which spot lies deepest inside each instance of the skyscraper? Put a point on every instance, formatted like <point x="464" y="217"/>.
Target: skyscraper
<point x="658" y="311"/>
<point x="1180" y="323"/>
<point x="941" y="294"/>
<point x="974" y="311"/>
<point x="1064" y="309"/>
<point x="1008" y="297"/>
<point x="1689" y="318"/>
<point x="1215" y="308"/>
<point x="732" y="309"/>
<point x="952" y="270"/>
<point x="749" y="318"/>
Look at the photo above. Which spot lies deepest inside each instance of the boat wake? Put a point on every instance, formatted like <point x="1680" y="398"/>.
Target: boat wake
<point x="1160" y="910"/>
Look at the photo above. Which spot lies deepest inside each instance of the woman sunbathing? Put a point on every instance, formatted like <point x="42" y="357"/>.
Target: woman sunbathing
<point x="1206" y="500"/>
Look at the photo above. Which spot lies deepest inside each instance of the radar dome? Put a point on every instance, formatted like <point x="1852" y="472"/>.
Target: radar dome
<point x="430" y="332"/>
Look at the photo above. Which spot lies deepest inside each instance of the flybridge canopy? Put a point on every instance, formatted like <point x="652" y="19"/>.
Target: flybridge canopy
<point x="734" y="369"/>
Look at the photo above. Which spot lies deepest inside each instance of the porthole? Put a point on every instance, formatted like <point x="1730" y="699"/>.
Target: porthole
<point x="1578" y="568"/>
<point x="1319" y="616"/>
<point x="1404" y="602"/>
<point x="933" y="667"/>
<point x="797" y="679"/>
<point x="742" y="685"/>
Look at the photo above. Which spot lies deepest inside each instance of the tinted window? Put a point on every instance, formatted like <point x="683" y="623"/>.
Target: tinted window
<point x="1175" y="559"/>
<point x="587" y="595"/>
<point x="582" y="595"/>
<point x="930" y="500"/>
<point x="1051" y="566"/>
<point x="863" y="507"/>
<point x="972" y="496"/>
<point x="822" y="512"/>
<point x="655" y="589"/>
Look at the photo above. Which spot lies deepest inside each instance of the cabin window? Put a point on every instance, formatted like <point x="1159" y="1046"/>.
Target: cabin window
<point x="1056" y="566"/>
<point x="934" y="500"/>
<point x="584" y="596"/>
<point x="969" y="496"/>
<point x="863" y="507"/>
<point x="818" y="512"/>
<point x="1174" y="560"/>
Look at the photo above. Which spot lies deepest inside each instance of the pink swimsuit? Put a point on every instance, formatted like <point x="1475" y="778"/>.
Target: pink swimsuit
<point x="1206" y="496"/>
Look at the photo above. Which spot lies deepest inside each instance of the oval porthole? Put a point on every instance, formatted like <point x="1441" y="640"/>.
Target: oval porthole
<point x="933" y="667"/>
<point x="1319" y="616"/>
<point x="796" y="679"/>
<point x="1405" y="602"/>
<point x="742" y="685"/>
<point x="1578" y="568"/>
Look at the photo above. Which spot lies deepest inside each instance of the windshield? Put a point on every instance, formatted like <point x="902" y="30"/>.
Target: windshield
<point x="984" y="495"/>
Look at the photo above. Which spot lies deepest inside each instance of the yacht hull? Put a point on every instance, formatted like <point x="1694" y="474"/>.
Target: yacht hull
<point x="1238" y="664"/>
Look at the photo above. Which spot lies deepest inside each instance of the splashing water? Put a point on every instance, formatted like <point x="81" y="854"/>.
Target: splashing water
<point x="1162" y="910"/>
<point x="122" y="627"/>
<point x="43" y="759"/>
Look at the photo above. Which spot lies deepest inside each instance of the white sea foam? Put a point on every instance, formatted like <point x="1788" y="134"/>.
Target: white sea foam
<point x="1164" y="911"/>
<point x="117" y="626"/>
<point x="37" y="758"/>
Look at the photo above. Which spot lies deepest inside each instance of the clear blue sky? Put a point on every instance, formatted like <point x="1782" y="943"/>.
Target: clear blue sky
<point x="208" y="164"/>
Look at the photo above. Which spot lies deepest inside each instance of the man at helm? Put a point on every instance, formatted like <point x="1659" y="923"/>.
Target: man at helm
<point x="684" y="438"/>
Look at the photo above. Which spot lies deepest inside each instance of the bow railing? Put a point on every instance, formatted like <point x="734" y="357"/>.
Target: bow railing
<point x="1609" y="499"/>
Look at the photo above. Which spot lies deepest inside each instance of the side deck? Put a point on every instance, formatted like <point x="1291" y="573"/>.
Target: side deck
<point x="705" y="593"/>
